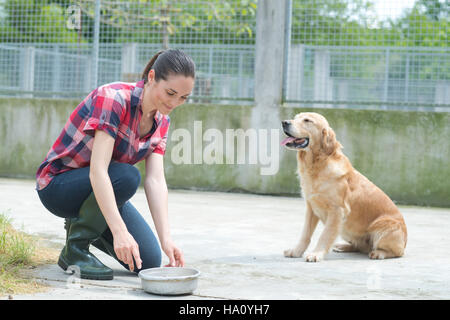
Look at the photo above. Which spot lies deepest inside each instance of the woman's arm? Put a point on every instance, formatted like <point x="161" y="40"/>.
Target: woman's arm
<point x="125" y="246"/>
<point x="157" y="197"/>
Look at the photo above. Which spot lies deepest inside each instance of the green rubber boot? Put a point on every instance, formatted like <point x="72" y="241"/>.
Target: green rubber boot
<point x="81" y="232"/>
<point x="101" y="243"/>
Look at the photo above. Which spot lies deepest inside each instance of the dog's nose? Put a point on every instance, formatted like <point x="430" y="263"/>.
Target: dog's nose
<point x="285" y="123"/>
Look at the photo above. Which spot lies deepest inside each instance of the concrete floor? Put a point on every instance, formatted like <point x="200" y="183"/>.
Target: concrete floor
<point x="237" y="243"/>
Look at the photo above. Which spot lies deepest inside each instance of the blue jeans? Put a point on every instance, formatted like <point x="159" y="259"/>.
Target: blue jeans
<point x="67" y="191"/>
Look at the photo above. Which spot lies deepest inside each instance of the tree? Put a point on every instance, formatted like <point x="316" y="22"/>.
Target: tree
<point x="206" y="22"/>
<point x="436" y="10"/>
<point x="148" y="21"/>
<point x="35" y="21"/>
<point x="332" y="22"/>
<point x="425" y="25"/>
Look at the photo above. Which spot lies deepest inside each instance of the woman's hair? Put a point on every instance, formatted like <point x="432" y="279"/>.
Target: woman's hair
<point x="170" y="62"/>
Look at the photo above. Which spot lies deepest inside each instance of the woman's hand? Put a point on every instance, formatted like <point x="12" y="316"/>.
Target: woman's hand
<point x="126" y="248"/>
<point x="176" y="258"/>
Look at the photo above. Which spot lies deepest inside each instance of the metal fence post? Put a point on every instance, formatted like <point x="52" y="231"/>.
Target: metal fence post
<point x="210" y="62"/>
<point x="322" y="80"/>
<point x="56" y="70"/>
<point x="386" y="76"/>
<point x="406" y="97"/>
<point x="86" y="84"/>
<point x="95" y="47"/>
<point x="28" y="70"/>
<point x="128" y="65"/>
<point x="240" y="67"/>
<point x="287" y="46"/>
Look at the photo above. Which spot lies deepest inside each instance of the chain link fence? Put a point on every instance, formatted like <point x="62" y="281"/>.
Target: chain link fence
<point x="385" y="53"/>
<point x="67" y="48"/>
<point x="341" y="52"/>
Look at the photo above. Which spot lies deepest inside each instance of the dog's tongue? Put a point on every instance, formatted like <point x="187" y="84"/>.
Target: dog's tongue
<point x="287" y="140"/>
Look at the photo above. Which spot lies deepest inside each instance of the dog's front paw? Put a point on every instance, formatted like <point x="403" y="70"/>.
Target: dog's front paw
<point x="314" y="257"/>
<point x="377" y="254"/>
<point x="292" y="253"/>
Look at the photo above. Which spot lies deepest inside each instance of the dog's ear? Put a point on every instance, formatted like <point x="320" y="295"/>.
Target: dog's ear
<point x="329" y="142"/>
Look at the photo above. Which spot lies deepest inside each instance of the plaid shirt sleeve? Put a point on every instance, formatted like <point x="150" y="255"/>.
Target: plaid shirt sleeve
<point x="161" y="147"/>
<point x="106" y="112"/>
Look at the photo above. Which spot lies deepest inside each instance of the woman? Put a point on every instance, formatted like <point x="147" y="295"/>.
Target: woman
<point x="88" y="175"/>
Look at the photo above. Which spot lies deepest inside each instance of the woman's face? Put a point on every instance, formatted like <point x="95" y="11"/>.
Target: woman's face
<point x="166" y="95"/>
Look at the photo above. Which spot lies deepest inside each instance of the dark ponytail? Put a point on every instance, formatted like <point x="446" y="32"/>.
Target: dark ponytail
<point x="169" y="62"/>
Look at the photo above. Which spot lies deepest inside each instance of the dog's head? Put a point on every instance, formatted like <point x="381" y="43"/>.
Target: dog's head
<point x="310" y="131"/>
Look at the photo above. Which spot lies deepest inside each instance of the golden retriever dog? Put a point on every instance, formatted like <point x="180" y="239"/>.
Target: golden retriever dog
<point x="346" y="202"/>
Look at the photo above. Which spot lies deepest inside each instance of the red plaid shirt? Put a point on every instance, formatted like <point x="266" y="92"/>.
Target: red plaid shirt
<point x="116" y="109"/>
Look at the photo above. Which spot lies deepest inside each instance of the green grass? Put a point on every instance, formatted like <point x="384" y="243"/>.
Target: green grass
<point x="19" y="252"/>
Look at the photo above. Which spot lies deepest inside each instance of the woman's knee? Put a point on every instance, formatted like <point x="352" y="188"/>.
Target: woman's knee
<point x="125" y="179"/>
<point x="150" y="252"/>
<point x="151" y="260"/>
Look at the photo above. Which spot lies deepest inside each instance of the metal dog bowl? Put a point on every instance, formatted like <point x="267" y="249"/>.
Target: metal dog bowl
<point x="169" y="281"/>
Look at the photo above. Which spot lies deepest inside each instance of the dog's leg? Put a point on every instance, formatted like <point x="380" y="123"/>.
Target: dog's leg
<point x="310" y="225"/>
<point x="389" y="245"/>
<point x="329" y="234"/>
<point x="388" y="237"/>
